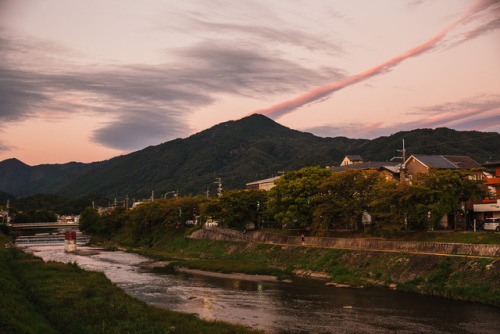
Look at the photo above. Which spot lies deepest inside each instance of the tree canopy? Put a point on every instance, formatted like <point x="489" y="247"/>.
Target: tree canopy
<point x="312" y="197"/>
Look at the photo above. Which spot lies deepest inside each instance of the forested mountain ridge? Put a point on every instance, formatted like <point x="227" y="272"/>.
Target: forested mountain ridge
<point x="241" y="151"/>
<point x="20" y="179"/>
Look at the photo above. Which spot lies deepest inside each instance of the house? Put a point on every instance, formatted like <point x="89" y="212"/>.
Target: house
<point x="420" y="163"/>
<point x="265" y="184"/>
<point x="489" y="207"/>
<point x="4" y="217"/>
<point x="388" y="168"/>
<point x="351" y="160"/>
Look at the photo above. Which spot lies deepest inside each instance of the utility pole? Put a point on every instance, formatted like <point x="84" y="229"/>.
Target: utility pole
<point x="7" y="207"/>
<point x="208" y="192"/>
<point x="219" y="188"/>
<point x="402" y="170"/>
<point x="152" y="195"/>
<point x="402" y="176"/>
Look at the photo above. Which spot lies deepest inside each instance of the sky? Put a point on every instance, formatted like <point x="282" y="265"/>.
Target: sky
<point x="88" y="80"/>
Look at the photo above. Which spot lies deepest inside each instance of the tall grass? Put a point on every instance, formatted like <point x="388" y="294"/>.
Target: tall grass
<point x="38" y="297"/>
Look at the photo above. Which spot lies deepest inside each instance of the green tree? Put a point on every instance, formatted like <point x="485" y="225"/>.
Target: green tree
<point x="240" y="207"/>
<point x="291" y="199"/>
<point x="449" y="190"/>
<point x="211" y="208"/>
<point x="403" y="203"/>
<point x="36" y="216"/>
<point x="23" y="217"/>
<point x="89" y="220"/>
<point x="347" y="195"/>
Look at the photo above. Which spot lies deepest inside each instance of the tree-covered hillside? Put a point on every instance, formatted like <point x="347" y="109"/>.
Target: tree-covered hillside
<point x="239" y="152"/>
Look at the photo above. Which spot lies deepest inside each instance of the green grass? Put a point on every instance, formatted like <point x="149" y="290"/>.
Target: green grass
<point x="38" y="297"/>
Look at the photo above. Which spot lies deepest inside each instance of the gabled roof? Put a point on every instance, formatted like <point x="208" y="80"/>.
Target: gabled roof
<point x="354" y="157"/>
<point x="446" y="161"/>
<point x="389" y="165"/>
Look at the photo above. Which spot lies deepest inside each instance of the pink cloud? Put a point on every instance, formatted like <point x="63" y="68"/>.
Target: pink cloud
<point x="370" y="127"/>
<point x="443" y="119"/>
<point x="286" y="107"/>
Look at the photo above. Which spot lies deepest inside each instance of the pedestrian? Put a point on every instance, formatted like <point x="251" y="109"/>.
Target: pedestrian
<point x="302" y="236"/>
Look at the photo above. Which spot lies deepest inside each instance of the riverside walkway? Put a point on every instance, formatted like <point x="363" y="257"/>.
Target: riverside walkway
<point x="435" y="248"/>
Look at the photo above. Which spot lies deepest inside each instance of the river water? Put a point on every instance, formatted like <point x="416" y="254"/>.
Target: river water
<point x="303" y="306"/>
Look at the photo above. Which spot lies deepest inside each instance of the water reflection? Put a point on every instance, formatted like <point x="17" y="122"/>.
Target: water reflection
<point x="301" y="307"/>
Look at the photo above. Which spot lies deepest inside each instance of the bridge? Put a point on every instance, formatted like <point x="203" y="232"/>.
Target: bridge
<point x="26" y="240"/>
<point x="32" y="226"/>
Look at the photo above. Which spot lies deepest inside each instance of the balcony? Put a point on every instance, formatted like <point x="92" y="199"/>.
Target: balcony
<point x="491" y="181"/>
<point x="488" y="205"/>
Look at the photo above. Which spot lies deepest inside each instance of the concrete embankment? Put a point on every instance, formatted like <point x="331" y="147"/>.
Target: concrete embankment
<point x="344" y="243"/>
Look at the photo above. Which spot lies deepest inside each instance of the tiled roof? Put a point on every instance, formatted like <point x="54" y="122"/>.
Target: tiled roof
<point x="434" y="161"/>
<point x="447" y="161"/>
<point x="462" y="161"/>
<point x="389" y="165"/>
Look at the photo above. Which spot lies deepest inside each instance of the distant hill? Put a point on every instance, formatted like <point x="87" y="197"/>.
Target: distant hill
<point x="19" y="179"/>
<point x="242" y="151"/>
<point x="4" y="197"/>
<point x="480" y="146"/>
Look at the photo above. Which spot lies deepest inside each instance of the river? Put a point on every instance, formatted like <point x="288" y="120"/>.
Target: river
<point x="303" y="306"/>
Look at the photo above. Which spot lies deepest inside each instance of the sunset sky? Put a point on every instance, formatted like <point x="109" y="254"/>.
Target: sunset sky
<point x="87" y="80"/>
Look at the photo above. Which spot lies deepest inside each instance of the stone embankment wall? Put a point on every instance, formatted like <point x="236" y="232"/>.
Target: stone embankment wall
<point x="342" y="243"/>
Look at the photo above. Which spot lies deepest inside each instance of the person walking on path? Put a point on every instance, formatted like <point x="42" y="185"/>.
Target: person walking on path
<point x="302" y="236"/>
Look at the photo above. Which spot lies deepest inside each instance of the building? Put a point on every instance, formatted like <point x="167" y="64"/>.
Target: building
<point x="420" y="163"/>
<point x="265" y="184"/>
<point x="4" y="217"/>
<point x="351" y="160"/>
<point x="489" y="207"/>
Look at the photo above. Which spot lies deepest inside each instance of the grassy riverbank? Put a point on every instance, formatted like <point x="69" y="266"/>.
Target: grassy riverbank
<point x="38" y="297"/>
<point x="464" y="278"/>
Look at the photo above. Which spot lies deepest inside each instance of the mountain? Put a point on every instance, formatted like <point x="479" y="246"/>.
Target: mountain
<point x="19" y="179"/>
<point x="242" y="151"/>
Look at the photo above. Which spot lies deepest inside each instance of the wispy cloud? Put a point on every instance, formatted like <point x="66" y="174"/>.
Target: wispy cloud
<point x="148" y="103"/>
<point x="481" y="113"/>
<point x="286" y="36"/>
<point x="288" y="106"/>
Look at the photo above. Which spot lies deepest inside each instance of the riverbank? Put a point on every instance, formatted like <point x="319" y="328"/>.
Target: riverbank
<point x="472" y="279"/>
<point x="38" y="297"/>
